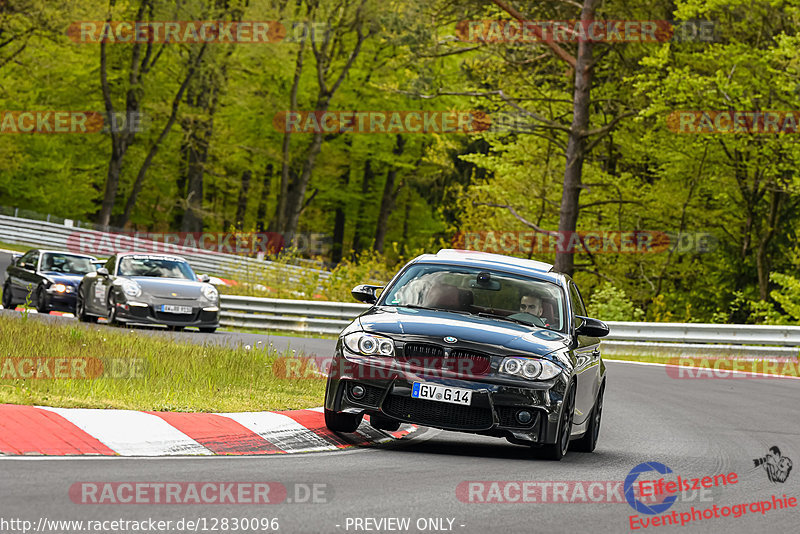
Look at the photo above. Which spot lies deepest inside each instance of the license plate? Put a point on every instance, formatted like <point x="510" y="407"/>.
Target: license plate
<point x="435" y="392"/>
<point x="169" y="308"/>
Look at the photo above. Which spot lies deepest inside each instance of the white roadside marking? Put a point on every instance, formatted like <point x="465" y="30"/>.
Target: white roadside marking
<point x="131" y="433"/>
<point x="281" y="430"/>
<point x="709" y="369"/>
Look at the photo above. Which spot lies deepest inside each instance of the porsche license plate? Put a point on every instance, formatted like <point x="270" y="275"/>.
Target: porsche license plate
<point x="169" y="308"/>
<point x="435" y="392"/>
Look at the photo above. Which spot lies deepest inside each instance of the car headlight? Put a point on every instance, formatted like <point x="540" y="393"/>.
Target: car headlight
<point x="369" y="344"/>
<point x="59" y="288"/>
<point x="210" y="292"/>
<point x="131" y="288"/>
<point x="530" y="368"/>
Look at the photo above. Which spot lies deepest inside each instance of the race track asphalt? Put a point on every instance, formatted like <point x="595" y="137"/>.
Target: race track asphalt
<point x="697" y="427"/>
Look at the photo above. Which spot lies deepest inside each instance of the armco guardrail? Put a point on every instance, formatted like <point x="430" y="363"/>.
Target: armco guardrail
<point x="672" y="339"/>
<point x="59" y="236"/>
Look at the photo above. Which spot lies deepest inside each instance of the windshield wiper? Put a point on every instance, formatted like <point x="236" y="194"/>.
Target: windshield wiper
<point x="506" y="318"/>
<point x="416" y="307"/>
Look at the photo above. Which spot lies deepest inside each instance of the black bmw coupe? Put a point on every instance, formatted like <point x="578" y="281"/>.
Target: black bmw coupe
<point x="473" y="342"/>
<point x="48" y="279"/>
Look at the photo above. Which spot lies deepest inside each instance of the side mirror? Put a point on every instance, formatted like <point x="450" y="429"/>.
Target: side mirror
<point x="102" y="271"/>
<point x="365" y="293"/>
<point x="204" y="278"/>
<point x="15" y="258"/>
<point x="591" y="327"/>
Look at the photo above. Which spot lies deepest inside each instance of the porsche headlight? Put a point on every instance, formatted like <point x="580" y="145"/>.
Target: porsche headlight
<point x="131" y="288"/>
<point x="530" y="368"/>
<point x="210" y="292"/>
<point x="369" y="344"/>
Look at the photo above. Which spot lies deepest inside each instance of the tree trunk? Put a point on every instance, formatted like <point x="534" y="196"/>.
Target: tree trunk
<point x="148" y="160"/>
<point x="576" y="145"/>
<point x="262" y="205"/>
<point x="388" y="198"/>
<point x="403" y="241"/>
<point x="121" y="140"/>
<point x="340" y="217"/>
<point x="366" y="186"/>
<point x="278" y="222"/>
<point x="241" y="206"/>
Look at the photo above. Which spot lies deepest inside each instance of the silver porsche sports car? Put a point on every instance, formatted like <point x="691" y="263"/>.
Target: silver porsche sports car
<point x="149" y="289"/>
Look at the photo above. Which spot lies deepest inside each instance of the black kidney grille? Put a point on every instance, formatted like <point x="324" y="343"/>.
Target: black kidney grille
<point x="460" y="361"/>
<point x="432" y="413"/>
<point x="417" y="350"/>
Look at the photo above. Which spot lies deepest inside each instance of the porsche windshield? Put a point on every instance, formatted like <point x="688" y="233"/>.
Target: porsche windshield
<point x="57" y="262"/>
<point x="155" y="267"/>
<point x="481" y="292"/>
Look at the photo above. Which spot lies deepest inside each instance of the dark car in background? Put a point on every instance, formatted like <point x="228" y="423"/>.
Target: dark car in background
<point x="48" y="279"/>
<point x="149" y="289"/>
<point x="473" y="342"/>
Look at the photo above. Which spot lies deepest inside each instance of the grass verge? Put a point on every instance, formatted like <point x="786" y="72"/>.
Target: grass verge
<point x="154" y="372"/>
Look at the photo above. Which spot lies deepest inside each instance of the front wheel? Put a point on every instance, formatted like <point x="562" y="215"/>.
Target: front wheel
<point x="8" y="302"/>
<point x="41" y="300"/>
<point x="556" y="451"/>
<point x="589" y="440"/>
<point x="111" y="316"/>
<point x="80" y="310"/>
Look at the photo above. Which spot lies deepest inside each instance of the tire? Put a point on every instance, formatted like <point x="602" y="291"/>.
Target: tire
<point x="111" y="317"/>
<point x="589" y="440"/>
<point x="342" y="422"/>
<point x="383" y="423"/>
<point x="208" y="330"/>
<point x="8" y="301"/>
<point x="80" y="310"/>
<point x="556" y="451"/>
<point x="41" y="301"/>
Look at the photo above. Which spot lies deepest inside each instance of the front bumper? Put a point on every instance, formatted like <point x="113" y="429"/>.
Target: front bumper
<point x="496" y="400"/>
<point x="148" y="313"/>
<point x="65" y="301"/>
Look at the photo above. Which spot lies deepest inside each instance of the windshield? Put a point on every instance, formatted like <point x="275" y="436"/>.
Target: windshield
<point x="57" y="262"/>
<point x="481" y="292"/>
<point x="155" y="266"/>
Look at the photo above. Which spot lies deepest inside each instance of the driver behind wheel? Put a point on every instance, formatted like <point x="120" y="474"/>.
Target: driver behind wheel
<point x="531" y="304"/>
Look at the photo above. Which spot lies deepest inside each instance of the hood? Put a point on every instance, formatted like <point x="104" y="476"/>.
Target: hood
<point x="496" y="333"/>
<point x="68" y="279"/>
<point x="165" y="287"/>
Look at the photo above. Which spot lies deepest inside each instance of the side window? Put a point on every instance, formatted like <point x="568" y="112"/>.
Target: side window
<point x="110" y="264"/>
<point x="29" y="260"/>
<point x="577" y="302"/>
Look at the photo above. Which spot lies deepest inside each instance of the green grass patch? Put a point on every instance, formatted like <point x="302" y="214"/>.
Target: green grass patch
<point x="15" y="247"/>
<point x="169" y="375"/>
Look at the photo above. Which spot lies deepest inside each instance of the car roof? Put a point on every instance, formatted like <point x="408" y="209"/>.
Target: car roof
<point x="474" y="258"/>
<point x="156" y="255"/>
<point x="66" y="252"/>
